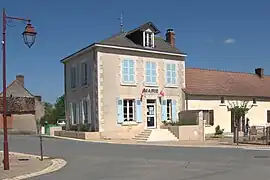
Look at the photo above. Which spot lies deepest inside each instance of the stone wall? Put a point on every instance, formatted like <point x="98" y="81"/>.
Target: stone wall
<point x="21" y="124"/>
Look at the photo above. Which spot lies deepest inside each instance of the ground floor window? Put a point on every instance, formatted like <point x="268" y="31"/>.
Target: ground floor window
<point x="85" y="105"/>
<point x="74" y="113"/>
<point x="208" y="116"/>
<point x="268" y="116"/>
<point x="169" y="109"/>
<point x="129" y="109"/>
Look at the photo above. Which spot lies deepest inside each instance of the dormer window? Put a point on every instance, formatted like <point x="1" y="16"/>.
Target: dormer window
<point x="148" y="39"/>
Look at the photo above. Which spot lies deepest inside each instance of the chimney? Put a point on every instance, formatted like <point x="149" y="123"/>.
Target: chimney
<point x="38" y="98"/>
<point x="170" y="37"/>
<point x="20" y="80"/>
<point x="259" y="72"/>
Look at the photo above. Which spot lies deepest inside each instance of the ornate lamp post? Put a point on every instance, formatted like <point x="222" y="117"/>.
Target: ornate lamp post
<point x="29" y="36"/>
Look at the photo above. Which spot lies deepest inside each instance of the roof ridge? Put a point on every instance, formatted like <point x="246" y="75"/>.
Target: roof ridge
<point x="114" y="35"/>
<point x="225" y="71"/>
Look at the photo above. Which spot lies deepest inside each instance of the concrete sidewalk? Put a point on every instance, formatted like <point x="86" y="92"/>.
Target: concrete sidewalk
<point x="23" y="166"/>
<point x="206" y="143"/>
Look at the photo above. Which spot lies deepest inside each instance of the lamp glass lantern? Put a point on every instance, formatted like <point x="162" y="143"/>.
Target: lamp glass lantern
<point x="29" y="35"/>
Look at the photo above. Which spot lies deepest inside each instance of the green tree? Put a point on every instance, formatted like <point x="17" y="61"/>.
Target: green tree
<point x="49" y="113"/>
<point x="239" y="110"/>
<point x="60" y="107"/>
<point x="53" y="112"/>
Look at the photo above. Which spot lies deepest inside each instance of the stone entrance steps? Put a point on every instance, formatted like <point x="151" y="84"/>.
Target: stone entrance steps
<point x="155" y="135"/>
<point x="143" y="136"/>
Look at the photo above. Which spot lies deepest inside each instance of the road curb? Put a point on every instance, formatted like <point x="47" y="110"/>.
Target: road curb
<point x="245" y="147"/>
<point x="257" y="149"/>
<point x="148" y="144"/>
<point x="56" y="165"/>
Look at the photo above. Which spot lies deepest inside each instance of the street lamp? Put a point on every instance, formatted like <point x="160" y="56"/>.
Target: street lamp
<point x="29" y="36"/>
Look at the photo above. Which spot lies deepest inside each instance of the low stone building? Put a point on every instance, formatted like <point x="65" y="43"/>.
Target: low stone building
<point x="24" y="108"/>
<point x="215" y="92"/>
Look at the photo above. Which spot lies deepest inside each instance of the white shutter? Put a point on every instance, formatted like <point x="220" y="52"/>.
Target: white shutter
<point x="71" y="115"/>
<point x="89" y="110"/>
<point x="83" y="116"/>
<point x="77" y="113"/>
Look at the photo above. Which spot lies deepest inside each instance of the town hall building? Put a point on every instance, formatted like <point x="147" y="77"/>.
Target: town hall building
<point x="125" y="84"/>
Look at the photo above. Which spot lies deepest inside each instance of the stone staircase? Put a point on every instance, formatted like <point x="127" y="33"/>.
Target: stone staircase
<point x="143" y="136"/>
<point x="155" y="135"/>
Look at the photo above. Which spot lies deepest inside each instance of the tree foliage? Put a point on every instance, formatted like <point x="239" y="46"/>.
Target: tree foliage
<point x="55" y="111"/>
<point x="239" y="109"/>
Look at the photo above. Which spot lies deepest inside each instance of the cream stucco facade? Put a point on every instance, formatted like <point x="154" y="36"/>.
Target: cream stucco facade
<point x="104" y="86"/>
<point x="222" y="117"/>
<point x="111" y="88"/>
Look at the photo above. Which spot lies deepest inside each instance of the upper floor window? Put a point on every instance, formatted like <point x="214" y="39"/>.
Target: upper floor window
<point x="128" y="71"/>
<point x="148" y="39"/>
<point x="222" y="100"/>
<point x="73" y="77"/>
<point x="84" y="74"/>
<point x="151" y="73"/>
<point x="254" y="101"/>
<point x="171" y="77"/>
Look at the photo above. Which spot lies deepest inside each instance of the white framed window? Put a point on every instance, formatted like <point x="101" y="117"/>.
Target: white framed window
<point x="151" y="73"/>
<point x="129" y="109"/>
<point x="85" y="111"/>
<point x="84" y="73"/>
<point x="128" y="71"/>
<point x="73" y="77"/>
<point x="148" y="39"/>
<point x="169" y="109"/>
<point x="171" y="74"/>
<point x="74" y="113"/>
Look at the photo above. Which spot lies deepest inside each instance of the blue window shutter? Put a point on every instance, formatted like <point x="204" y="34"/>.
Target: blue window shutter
<point x="164" y="110"/>
<point x="174" y="111"/>
<point x="120" y="114"/>
<point x="138" y="110"/>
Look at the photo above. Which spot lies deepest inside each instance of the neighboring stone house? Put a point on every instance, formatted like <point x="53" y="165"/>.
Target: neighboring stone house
<point x="24" y="108"/>
<point x="214" y="91"/>
<point x="126" y="83"/>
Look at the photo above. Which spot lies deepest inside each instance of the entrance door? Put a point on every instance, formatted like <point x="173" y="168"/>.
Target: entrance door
<point x="151" y="113"/>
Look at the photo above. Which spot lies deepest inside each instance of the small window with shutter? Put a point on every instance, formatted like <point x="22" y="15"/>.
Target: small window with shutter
<point x="268" y="116"/>
<point x="254" y="101"/>
<point x="222" y="100"/>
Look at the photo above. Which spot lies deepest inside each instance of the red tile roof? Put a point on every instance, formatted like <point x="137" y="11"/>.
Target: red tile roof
<point x="222" y="83"/>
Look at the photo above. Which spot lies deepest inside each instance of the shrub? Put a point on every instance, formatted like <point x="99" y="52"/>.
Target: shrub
<point x="84" y="127"/>
<point x="219" y="131"/>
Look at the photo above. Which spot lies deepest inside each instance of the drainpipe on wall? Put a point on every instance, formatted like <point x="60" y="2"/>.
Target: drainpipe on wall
<point x="186" y="99"/>
<point x="65" y="98"/>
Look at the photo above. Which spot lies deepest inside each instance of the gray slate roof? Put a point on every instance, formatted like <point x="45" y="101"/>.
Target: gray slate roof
<point x="120" y="39"/>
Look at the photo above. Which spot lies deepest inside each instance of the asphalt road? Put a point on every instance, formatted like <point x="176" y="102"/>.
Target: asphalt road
<point x="98" y="161"/>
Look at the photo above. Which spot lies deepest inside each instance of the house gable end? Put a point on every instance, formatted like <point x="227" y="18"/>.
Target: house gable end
<point x="16" y="90"/>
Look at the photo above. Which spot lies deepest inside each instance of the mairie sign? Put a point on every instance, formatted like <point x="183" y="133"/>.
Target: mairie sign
<point x="150" y="90"/>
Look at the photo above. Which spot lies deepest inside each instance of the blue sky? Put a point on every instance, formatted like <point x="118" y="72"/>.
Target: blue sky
<point x="226" y="35"/>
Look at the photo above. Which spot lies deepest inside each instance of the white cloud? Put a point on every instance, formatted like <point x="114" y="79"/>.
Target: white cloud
<point x="230" y="41"/>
